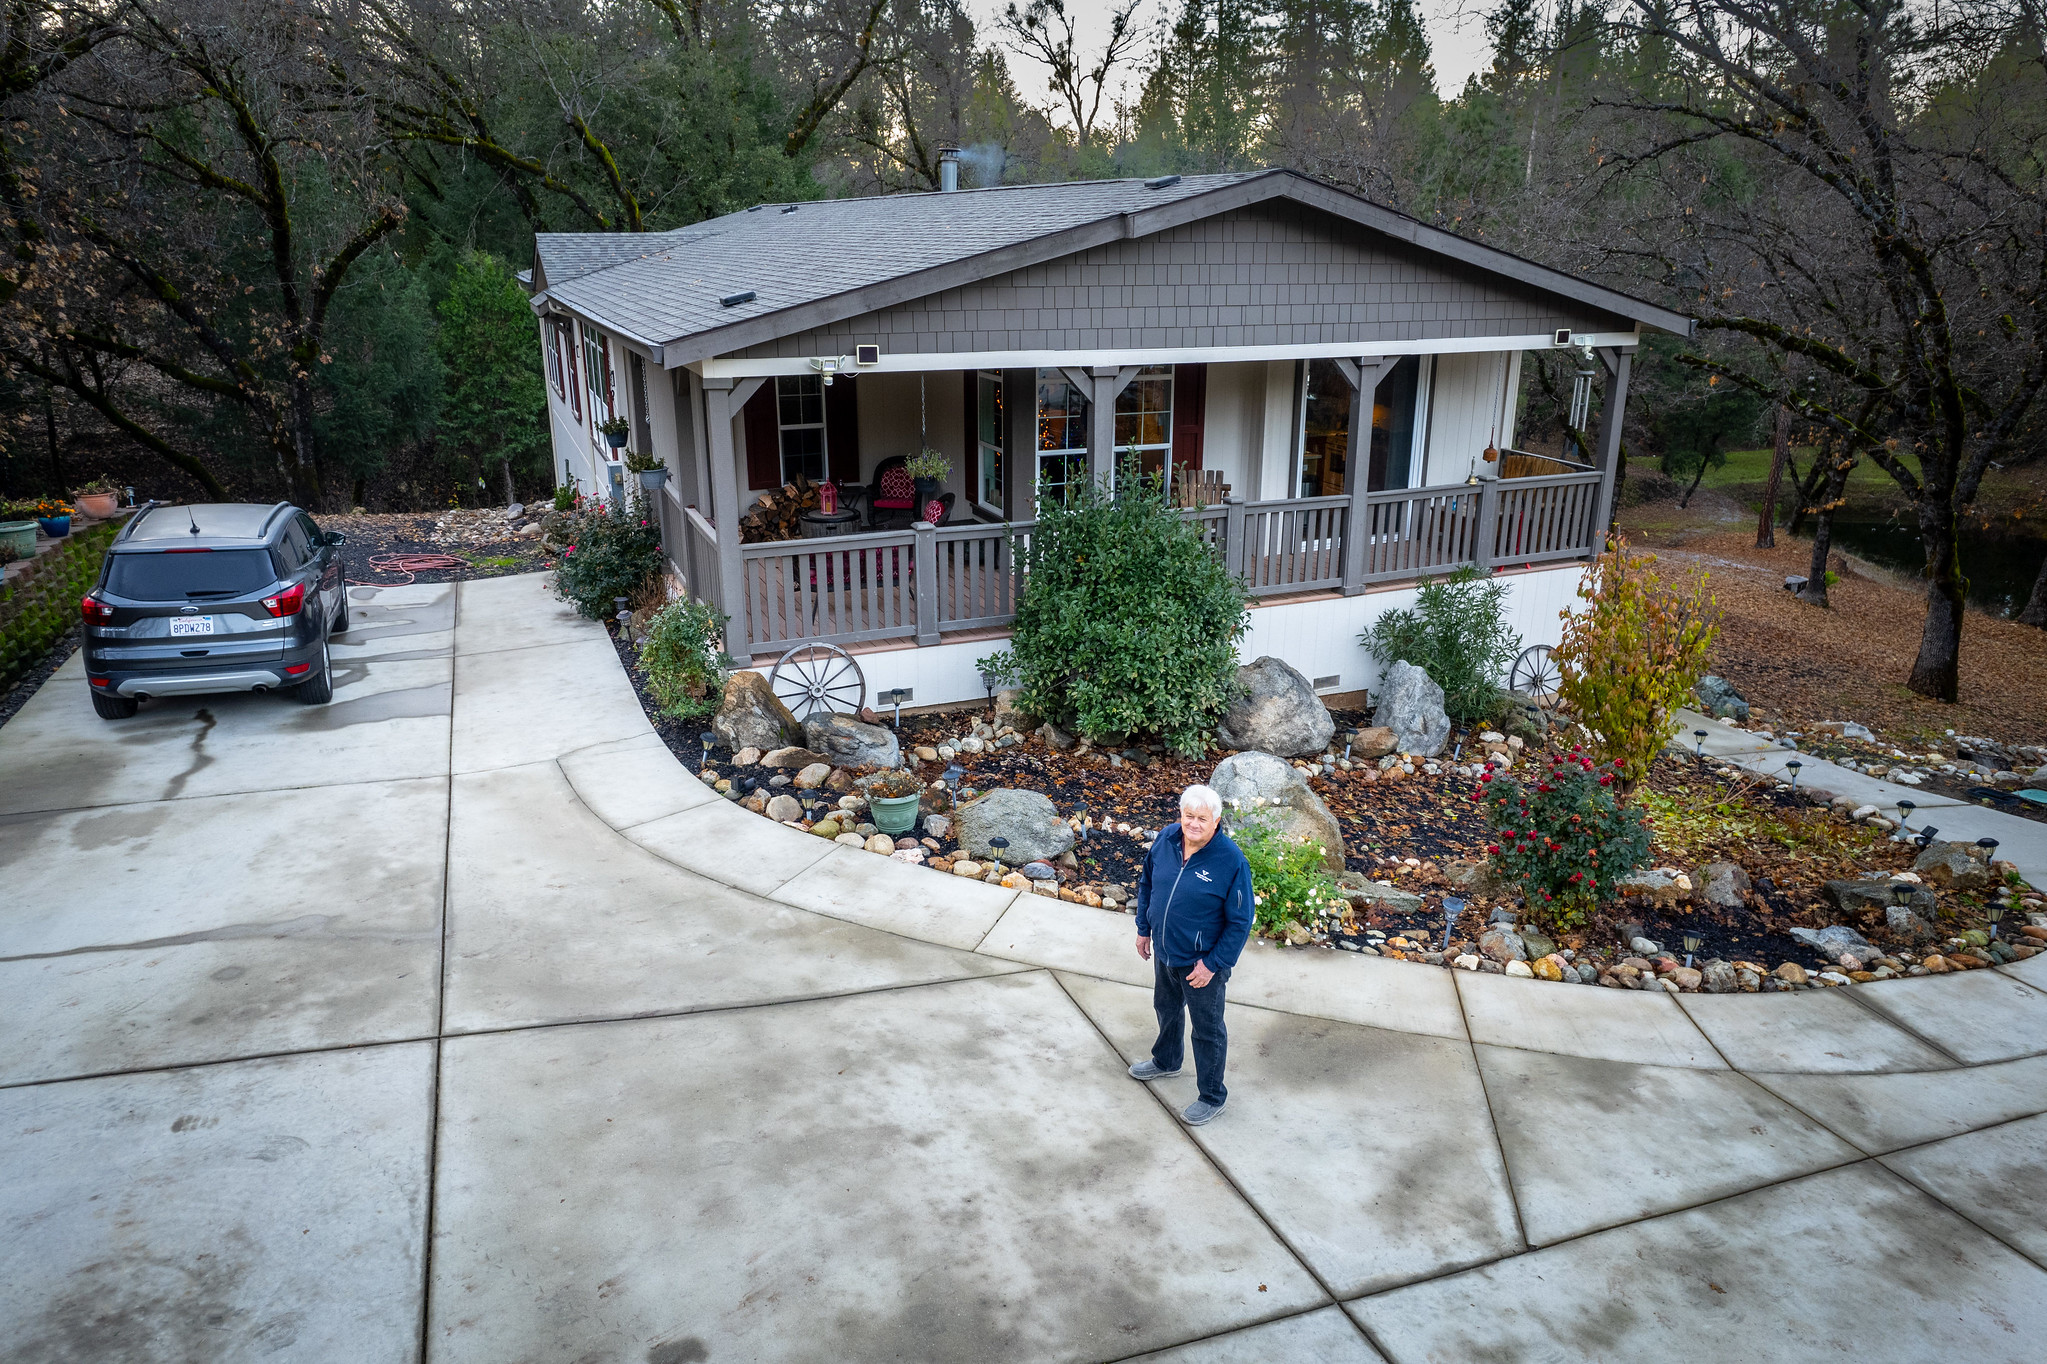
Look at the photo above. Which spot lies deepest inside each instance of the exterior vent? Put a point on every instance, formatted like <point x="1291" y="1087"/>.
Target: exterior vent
<point x="948" y="169"/>
<point x="1162" y="181"/>
<point x="867" y="355"/>
<point x="1328" y="683"/>
<point x="789" y="208"/>
<point x="734" y="300"/>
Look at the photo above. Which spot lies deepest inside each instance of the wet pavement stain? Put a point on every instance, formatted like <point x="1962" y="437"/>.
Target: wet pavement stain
<point x="201" y="759"/>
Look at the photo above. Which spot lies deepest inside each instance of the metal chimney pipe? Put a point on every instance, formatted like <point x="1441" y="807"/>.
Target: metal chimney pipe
<point x="948" y="169"/>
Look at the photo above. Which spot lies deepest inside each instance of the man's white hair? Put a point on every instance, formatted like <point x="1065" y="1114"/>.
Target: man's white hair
<point x="1202" y="800"/>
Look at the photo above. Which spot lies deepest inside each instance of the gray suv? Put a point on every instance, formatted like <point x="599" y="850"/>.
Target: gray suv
<point x="220" y="596"/>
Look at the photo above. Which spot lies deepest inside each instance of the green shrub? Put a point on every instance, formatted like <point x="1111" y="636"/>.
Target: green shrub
<point x="1129" y="622"/>
<point x="685" y="668"/>
<point x="1565" y="839"/>
<point x="565" y="497"/>
<point x="1457" y="633"/>
<point x="613" y="549"/>
<point x="1633" y="654"/>
<point x="1288" y="879"/>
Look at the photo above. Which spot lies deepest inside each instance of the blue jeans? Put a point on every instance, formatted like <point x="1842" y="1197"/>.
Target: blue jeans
<point x="1171" y="996"/>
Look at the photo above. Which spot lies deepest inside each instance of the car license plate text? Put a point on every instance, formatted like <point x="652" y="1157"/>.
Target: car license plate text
<point x="191" y="625"/>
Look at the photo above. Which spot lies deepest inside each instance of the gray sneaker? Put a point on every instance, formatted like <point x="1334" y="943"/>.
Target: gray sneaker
<point x="1148" y="1069"/>
<point x="1199" y="1112"/>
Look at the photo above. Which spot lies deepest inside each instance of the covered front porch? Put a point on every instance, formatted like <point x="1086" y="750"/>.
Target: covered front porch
<point x="1247" y="449"/>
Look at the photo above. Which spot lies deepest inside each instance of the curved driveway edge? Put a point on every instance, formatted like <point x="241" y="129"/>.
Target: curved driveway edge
<point x="571" y="1059"/>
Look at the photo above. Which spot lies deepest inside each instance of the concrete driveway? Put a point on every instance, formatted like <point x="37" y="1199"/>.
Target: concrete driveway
<point x="455" y="1021"/>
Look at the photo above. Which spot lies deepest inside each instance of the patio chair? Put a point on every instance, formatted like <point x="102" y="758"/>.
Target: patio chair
<point x="891" y="495"/>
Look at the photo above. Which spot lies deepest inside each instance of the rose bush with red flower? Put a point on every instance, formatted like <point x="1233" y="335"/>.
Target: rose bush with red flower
<point x="1563" y="839"/>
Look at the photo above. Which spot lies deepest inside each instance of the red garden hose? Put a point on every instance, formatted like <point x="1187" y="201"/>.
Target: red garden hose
<point x="407" y="564"/>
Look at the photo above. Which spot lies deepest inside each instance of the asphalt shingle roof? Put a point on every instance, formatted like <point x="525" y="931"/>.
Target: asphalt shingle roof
<point x="662" y="287"/>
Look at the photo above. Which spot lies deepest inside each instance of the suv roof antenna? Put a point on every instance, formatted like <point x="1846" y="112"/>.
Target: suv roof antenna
<point x="193" y="519"/>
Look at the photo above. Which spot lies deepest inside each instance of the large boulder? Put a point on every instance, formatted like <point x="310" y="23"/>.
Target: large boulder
<point x="1718" y="697"/>
<point x="1259" y="786"/>
<point x="752" y="716"/>
<point x="1411" y="705"/>
<point x="1855" y="897"/>
<point x="1839" y="944"/>
<point x="848" y="742"/>
<point x="1027" y="819"/>
<point x="1722" y="885"/>
<point x="1955" y="866"/>
<point x="1278" y="712"/>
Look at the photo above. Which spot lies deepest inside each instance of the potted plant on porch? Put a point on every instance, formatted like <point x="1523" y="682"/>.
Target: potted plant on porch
<point x="892" y="800"/>
<point x="99" y="499"/>
<point x="652" y="472"/>
<point x="927" y="469"/>
<point x="614" y="430"/>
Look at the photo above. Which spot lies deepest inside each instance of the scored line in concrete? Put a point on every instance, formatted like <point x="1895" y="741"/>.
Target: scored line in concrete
<point x="1221" y="1172"/>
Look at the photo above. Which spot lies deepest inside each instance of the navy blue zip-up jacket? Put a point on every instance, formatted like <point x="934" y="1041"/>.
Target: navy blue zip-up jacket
<point x="1198" y="908"/>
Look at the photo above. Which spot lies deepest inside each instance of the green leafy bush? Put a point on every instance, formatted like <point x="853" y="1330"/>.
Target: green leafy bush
<point x="1634" y="654"/>
<point x="613" y="549"/>
<point x="1129" y="623"/>
<point x="1565" y="838"/>
<point x="1288" y="879"/>
<point x="685" y="668"/>
<point x="566" y="497"/>
<point x="1457" y="633"/>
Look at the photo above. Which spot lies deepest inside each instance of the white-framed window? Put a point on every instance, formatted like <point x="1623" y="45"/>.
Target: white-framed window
<point x="799" y="413"/>
<point x="1144" y="420"/>
<point x="988" y="440"/>
<point x="1062" y="435"/>
<point x="597" y="377"/>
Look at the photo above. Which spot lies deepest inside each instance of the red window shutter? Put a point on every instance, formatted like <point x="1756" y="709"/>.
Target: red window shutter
<point x="574" y="368"/>
<point x="763" y="439"/>
<point x="842" y="429"/>
<point x="1190" y="405"/>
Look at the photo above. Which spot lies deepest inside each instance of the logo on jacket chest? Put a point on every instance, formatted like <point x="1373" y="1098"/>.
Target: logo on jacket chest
<point x="1203" y="876"/>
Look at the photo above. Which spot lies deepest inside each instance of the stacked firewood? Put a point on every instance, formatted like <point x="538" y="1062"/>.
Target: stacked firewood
<point x="774" y="516"/>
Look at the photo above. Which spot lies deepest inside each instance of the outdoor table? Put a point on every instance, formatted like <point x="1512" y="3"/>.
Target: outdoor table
<point x="818" y="525"/>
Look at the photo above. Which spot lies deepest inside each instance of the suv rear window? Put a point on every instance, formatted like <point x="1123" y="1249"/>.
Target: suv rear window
<point x="214" y="573"/>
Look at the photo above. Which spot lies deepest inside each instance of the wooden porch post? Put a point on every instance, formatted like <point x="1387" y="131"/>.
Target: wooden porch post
<point x="720" y="409"/>
<point x="1233" y="536"/>
<point x="1104" y="383"/>
<point x="1019" y="446"/>
<point x="1364" y="375"/>
<point x="927" y="582"/>
<point x="1617" y="362"/>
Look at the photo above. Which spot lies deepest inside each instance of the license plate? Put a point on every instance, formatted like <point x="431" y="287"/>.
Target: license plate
<point x="191" y="625"/>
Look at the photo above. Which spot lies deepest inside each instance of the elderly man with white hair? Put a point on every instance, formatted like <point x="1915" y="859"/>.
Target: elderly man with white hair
<point x="1193" y="918"/>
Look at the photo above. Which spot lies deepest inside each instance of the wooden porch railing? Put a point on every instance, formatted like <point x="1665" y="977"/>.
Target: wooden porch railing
<point x="918" y="583"/>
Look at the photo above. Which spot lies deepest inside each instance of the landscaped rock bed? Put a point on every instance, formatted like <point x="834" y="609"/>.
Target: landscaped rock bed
<point x="1751" y="868"/>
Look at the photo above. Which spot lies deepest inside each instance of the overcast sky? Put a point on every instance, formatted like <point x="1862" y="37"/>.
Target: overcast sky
<point x="1456" y="38"/>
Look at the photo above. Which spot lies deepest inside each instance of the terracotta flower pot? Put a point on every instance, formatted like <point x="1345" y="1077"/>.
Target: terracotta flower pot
<point x="99" y="506"/>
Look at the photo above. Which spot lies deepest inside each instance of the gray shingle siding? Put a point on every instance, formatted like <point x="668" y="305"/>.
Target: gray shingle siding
<point x="1273" y="274"/>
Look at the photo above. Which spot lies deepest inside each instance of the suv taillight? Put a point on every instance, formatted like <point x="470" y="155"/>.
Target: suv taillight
<point x="288" y="602"/>
<point x="94" y="610"/>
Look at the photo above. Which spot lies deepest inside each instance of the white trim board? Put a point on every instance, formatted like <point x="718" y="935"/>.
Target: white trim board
<point x="737" y="368"/>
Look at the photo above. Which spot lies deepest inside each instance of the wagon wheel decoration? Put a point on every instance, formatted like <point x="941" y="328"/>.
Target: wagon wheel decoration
<point x="818" y="677"/>
<point x="1534" y="674"/>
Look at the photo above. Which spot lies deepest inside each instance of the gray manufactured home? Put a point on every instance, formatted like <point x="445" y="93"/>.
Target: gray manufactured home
<point x="1229" y="332"/>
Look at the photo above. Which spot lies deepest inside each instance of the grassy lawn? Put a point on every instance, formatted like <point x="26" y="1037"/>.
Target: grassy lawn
<point x="1746" y="472"/>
